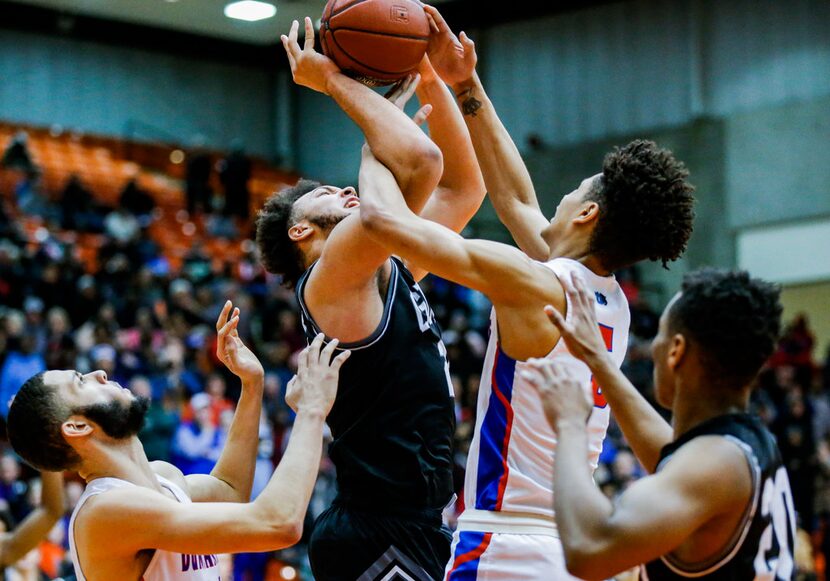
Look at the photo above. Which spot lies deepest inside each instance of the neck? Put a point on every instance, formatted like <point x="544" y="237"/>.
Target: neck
<point x="124" y="460"/>
<point x="699" y="402"/>
<point x="575" y="248"/>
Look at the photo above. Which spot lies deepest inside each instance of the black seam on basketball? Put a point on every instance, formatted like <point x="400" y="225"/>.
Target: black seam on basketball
<point x="334" y="39"/>
<point x="376" y="33"/>
<point x="344" y="9"/>
<point x="362" y="64"/>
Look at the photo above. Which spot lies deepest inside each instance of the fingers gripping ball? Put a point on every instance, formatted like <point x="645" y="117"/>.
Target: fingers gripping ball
<point x="377" y="42"/>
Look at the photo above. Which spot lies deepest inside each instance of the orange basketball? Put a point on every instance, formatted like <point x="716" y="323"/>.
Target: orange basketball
<point x="375" y="41"/>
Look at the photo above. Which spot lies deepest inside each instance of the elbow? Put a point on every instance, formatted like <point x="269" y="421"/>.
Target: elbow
<point x="285" y="528"/>
<point x="290" y="532"/>
<point x="429" y="160"/>
<point x="584" y="561"/>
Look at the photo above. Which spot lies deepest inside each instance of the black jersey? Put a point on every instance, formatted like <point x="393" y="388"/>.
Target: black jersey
<point x="763" y="546"/>
<point x="393" y="419"/>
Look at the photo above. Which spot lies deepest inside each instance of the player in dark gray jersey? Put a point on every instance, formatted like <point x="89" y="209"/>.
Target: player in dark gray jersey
<point x="718" y="505"/>
<point x="393" y="420"/>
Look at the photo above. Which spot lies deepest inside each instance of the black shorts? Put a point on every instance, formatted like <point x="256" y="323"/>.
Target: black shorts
<point x="349" y="544"/>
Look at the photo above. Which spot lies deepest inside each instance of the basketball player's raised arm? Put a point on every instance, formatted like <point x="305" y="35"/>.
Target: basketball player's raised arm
<point x="37" y="524"/>
<point x="351" y="258"/>
<point x="478" y="264"/>
<point x="505" y="174"/>
<point x="412" y="157"/>
<point x="702" y="481"/>
<point x="233" y="476"/>
<point x="274" y="520"/>
<point x="644" y="429"/>
<point x="461" y="190"/>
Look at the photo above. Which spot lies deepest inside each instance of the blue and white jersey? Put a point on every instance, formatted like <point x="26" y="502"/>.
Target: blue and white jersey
<point x="510" y="465"/>
<point x="165" y="565"/>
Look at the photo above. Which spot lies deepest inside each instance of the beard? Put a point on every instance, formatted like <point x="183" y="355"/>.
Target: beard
<point x="327" y="222"/>
<point x="117" y="420"/>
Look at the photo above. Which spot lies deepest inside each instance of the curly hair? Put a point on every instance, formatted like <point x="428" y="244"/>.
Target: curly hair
<point x="34" y="427"/>
<point x="734" y="319"/>
<point x="646" y="206"/>
<point x="278" y="253"/>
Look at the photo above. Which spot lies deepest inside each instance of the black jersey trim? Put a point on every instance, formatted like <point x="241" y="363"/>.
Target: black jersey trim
<point x="738" y="537"/>
<point x="379" y="331"/>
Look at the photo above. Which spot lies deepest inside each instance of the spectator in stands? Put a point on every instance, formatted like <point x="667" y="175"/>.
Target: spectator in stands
<point x="13" y="489"/>
<point x="17" y="156"/>
<point x="234" y="173"/>
<point x="135" y="200"/>
<point x="21" y="363"/>
<point x="198" y="443"/>
<point x="160" y="422"/>
<point x="794" y="430"/>
<point x="197" y="182"/>
<point x="84" y="302"/>
<point x="122" y="225"/>
<point x="78" y="211"/>
<point x="60" y="346"/>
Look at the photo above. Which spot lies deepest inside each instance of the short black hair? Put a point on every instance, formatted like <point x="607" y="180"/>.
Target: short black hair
<point x="646" y="206"/>
<point x="278" y="253"/>
<point x="734" y="319"/>
<point x="34" y="427"/>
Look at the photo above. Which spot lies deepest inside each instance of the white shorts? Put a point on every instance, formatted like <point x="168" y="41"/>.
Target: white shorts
<point x="478" y="556"/>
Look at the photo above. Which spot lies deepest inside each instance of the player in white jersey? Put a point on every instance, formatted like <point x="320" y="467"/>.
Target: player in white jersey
<point x="142" y="520"/>
<point x="639" y="207"/>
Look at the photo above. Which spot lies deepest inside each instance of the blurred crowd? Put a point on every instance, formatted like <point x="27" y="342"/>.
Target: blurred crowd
<point x="153" y="329"/>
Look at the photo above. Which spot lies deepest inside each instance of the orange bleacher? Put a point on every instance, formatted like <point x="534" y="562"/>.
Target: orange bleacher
<point x="103" y="166"/>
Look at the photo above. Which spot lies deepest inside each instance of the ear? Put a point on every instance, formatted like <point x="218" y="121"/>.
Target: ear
<point x="300" y="231"/>
<point x="76" y="427"/>
<point x="677" y="351"/>
<point x="587" y="214"/>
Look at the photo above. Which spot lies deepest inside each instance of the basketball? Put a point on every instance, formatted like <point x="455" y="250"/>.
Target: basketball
<point x="375" y="41"/>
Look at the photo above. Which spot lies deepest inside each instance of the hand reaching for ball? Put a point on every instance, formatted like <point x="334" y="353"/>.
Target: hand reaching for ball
<point x="402" y="91"/>
<point x="309" y="68"/>
<point x="452" y="58"/>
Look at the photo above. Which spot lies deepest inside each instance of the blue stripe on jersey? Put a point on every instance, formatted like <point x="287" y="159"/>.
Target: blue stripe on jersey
<point x="471" y="545"/>
<point x="495" y="435"/>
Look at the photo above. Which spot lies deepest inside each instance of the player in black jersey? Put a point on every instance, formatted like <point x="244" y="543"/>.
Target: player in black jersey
<point x="393" y="420"/>
<point x="718" y="505"/>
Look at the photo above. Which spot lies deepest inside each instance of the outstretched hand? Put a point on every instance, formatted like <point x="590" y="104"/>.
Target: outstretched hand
<point x="314" y="387"/>
<point x="308" y="67"/>
<point x="453" y="58"/>
<point x="580" y="330"/>
<point x="232" y="351"/>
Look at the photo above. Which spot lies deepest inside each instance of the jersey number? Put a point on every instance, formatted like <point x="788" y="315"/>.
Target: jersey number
<point x="774" y="559"/>
<point x="426" y="318"/>
<point x="608" y="337"/>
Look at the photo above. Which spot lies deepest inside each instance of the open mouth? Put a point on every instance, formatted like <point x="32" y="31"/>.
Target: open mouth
<point x="352" y="203"/>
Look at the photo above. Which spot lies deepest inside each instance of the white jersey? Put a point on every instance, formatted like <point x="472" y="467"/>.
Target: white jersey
<point x="510" y="464"/>
<point x="164" y="566"/>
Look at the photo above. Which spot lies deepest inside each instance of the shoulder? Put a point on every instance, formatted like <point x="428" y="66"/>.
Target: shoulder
<point x="106" y="523"/>
<point x="170" y="472"/>
<point x="720" y="466"/>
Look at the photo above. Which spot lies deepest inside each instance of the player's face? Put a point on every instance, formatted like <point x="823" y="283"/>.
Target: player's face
<point x="115" y="410"/>
<point x="328" y="204"/>
<point x="79" y="390"/>
<point x="569" y="207"/>
<point x="663" y="373"/>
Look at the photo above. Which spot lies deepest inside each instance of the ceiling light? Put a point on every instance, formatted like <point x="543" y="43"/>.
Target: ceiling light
<point x="250" y="10"/>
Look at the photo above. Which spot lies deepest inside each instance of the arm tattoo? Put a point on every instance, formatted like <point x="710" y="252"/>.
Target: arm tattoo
<point x="469" y="104"/>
